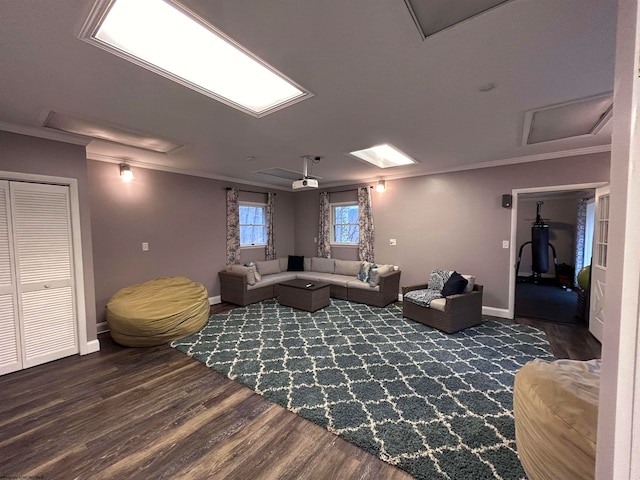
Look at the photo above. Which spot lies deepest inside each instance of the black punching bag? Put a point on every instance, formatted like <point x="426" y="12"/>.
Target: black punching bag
<point x="540" y="248"/>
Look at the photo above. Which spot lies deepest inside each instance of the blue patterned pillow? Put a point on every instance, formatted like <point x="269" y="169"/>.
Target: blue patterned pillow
<point x="365" y="271"/>
<point x="438" y="278"/>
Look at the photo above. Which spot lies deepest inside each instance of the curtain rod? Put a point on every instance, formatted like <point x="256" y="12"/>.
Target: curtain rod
<point x="347" y="190"/>
<point x="250" y="191"/>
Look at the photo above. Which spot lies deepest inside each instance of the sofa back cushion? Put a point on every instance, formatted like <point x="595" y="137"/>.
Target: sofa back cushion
<point x="268" y="267"/>
<point x="376" y="272"/>
<point x="284" y="263"/>
<point x="348" y="267"/>
<point x="472" y="281"/>
<point x="307" y="264"/>
<point x="323" y="265"/>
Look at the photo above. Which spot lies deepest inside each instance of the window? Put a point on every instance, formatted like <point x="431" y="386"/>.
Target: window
<point x="253" y="224"/>
<point x="345" y="223"/>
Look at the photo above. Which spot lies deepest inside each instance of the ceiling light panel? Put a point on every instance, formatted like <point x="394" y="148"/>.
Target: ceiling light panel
<point x="433" y="16"/>
<point x="167" y="39"/>
<point x="110" y="133"/>
<point x="383" y="156"/>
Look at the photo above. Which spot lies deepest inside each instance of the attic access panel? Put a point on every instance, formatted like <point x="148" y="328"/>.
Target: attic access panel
<point x="584" y="116"/>
<point x="433" y="16"/>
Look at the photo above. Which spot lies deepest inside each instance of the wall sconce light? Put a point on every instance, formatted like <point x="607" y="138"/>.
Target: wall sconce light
<point x="125" y="173"/>
<point x="381" y="187"/>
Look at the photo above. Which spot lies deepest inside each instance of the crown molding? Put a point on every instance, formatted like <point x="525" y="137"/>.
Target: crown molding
<point x="45" y="133"/>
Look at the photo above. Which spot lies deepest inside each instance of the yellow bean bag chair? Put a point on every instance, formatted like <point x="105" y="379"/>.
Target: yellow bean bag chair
<point x="157" y="311"/>
<point x="556" y="415"/>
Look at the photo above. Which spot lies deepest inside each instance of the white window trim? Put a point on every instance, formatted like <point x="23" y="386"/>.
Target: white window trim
<point x="254" y="204"/>
<point x="332" y="206"/>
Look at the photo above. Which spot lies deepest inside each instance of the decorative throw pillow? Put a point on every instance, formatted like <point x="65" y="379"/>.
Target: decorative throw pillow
<point x="365" y="270"/>
<point x="438" y="278"/>
<point x="296" y="263"/>
<point x="377" y="272"/>
<point x="455" y="285"/>
<point x="256" y="273"/>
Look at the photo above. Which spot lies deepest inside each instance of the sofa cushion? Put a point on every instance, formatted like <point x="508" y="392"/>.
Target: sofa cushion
<point x="455" y="285"/>
<point x="272" y="279"/>
<point x="438" y="278"/>
<point x="365" y="269"/>
<point x="438" y="304"/>
<point x="307" y="264"/>
<point x="376" y="272"/>
<point x="295" y="264"/>
<point x="323" y="265"/>
<point x="249" y="272"/>
<point x="472" y="281"/>
<point x="362" y="285"/>
<point x="284" y="263"/>
<point x="268" y="267"/>
<point x="333" y="279"/>
<point x="348" y="267"/>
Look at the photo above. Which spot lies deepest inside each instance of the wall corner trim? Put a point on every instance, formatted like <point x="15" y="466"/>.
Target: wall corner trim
<point x="496" y="312"/>
<point x="92" y="346"/>
<point x="214" y="300"/>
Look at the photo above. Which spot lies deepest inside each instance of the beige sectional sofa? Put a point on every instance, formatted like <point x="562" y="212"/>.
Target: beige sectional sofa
<point x="240" y="284"/>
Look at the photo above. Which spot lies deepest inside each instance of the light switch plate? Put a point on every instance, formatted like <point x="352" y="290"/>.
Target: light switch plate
<point x="505" y="243"/>
<point x="392" y="241"/>
<point x="145" y="246"/>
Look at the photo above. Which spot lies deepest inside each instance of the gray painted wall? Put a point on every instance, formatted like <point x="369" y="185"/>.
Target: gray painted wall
<point x="20" y="153"/>
<point x="181" y="217"/>
<point x="453" y="220"/>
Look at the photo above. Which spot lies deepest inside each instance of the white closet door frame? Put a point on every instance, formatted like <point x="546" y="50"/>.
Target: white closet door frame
<point x="86" y="347"/>
<point x="10" y="290"/>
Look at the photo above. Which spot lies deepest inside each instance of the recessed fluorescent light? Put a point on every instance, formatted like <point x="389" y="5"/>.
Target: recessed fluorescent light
<point x="111" y="133"/>
<point x="167" y="39"/>
<point x="384" y="156"/>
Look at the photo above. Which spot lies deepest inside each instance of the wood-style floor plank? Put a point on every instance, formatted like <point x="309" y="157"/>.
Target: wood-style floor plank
<point x="154" y="413"/>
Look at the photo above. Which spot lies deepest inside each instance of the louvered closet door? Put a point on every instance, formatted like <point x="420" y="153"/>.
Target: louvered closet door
<point x="42" y="242"/>
<point x="10" y="349"/>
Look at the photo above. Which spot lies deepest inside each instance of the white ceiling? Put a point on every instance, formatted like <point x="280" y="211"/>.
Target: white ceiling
<point x="373" y="78"/>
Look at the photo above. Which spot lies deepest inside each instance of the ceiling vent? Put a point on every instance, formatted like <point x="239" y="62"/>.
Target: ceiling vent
<point x="433" y="16"/>
<point x="584" y="116"/>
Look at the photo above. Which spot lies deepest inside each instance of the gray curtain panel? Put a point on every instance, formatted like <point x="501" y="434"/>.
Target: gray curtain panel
<point x="233" y="227"/>
<point x="365" y="223"/>
<point x="581" y="224"/>
<point x="271" y="245"/>
<point x="324" y="227"/>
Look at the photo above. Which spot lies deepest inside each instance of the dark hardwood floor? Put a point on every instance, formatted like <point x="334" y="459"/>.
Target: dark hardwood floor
<point x="125" y="413"/>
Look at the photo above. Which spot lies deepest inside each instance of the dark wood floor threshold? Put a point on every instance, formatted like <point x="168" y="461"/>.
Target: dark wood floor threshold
<point x="154" y="413"/>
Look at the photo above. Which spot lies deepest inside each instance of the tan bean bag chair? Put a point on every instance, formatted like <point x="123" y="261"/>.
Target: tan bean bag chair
<point x="556" y="414"/>
<point x="157" y="311"/>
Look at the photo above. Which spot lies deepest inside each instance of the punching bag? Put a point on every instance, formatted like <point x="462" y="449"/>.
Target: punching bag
<point x="540" y="248"/>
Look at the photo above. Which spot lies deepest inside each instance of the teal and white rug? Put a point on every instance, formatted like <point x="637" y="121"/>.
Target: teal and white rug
<point x="435" y="405"/>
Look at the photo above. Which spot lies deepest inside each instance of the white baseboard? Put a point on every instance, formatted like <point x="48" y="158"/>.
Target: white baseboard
<point x="102" y="327"/>
<point x="92" y="346"/>
<point x="496" y="312"/>
<point x="214" y="300"/>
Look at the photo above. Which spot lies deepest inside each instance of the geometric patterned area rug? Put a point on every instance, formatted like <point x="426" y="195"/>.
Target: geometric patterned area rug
<point x="433" y="404"/>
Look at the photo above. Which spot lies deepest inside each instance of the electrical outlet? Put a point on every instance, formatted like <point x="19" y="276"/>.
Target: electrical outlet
<point x="315" y="239"/>
<point x="505" y="243"/>
<point x="145" y="246"/>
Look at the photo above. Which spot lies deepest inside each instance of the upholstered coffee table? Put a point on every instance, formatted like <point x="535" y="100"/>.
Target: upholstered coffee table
<point x="303" y="294"/>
